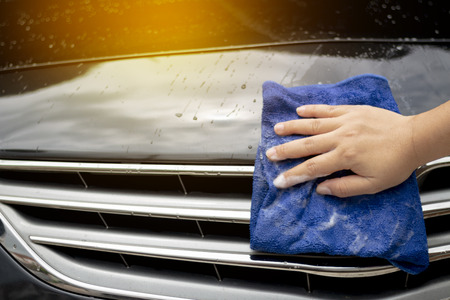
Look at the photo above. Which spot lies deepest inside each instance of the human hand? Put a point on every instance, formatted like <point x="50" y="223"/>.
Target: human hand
<point x="375" y="144"/>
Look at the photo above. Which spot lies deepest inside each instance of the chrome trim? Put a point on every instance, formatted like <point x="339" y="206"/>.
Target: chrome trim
<point x="161" y="169"/>
<point x="223" y="215"/>
<point x="19" y="249"/>
<point x="219" y="208"/>
<point x="436" y="203"/>
<point x="126" y="168"/>
<point x="233" y="258"/>
<point x="439" y="252"/>
<point x="422" y="171"/>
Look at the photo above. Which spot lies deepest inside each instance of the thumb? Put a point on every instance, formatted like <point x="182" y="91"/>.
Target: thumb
<point x="347" y="186"/>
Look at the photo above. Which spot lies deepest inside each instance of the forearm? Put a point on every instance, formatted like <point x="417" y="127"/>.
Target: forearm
<point x="431" y="134"/>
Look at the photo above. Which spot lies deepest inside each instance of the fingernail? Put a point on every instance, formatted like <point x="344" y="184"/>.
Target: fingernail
<point x="300" y="110"/>
<point x="283" y="182"/>
<point x="280" y="182"/>
<point x="272" y="153"/>
<point x="323" y="190"/>
<point x="278" y="127"/>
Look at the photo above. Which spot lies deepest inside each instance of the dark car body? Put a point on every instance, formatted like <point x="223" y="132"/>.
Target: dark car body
<point x="128" y="132"/>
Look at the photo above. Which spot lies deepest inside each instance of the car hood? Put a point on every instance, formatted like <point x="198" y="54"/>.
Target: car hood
<point x="191" y="107"/>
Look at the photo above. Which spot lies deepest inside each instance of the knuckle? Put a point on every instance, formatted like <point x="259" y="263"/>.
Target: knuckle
<point x="309" y="145"/>
<point x="315" y="126"/>
<point x="349" y="154"/>
<point x="342" y="189"/>
<point x="351" y="133"/>
<point x="331" y="109"/>
<point x="311" y="168"/>
<point x="281" y="150"/>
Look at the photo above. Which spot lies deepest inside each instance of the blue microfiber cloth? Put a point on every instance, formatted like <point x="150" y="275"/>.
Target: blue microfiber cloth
<point x="297" y="220"/>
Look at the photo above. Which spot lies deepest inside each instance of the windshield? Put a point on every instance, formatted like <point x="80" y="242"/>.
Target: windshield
<point x="37" y="32"/>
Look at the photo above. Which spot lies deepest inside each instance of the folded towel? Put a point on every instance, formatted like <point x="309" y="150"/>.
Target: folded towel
<point x="297" y="220"/>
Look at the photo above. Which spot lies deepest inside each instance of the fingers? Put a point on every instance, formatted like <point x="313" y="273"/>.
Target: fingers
<point x="323" y="110"/>
<point x="319" y="119"/>
<point x="301" y="148"/>
<point x="347" y="186"/>
<point x="320" y="123"/>
<point x="318" y="166"/>
<point x="306" y="126"/>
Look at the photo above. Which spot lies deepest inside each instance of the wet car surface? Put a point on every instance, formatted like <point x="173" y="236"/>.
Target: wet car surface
<point x="96" y="97"/>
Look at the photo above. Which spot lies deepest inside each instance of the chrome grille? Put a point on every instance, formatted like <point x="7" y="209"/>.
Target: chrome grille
<point x="162" y="231"/>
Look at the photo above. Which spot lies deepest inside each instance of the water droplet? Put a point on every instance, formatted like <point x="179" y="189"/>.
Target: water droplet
<point x="195" y="118"/>
<point x="178" y="115"/>
<point x="250" y="146"/>
<point x="243" y="86"/>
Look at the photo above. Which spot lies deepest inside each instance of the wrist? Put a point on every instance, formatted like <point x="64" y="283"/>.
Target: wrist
<point x="417" y="141"/>
<point x="431" y="134"/>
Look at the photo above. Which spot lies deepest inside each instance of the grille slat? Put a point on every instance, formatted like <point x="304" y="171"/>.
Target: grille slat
<point x="222" y="208"/>
<point x="117" y="168"/>
<point x="234" y="258"/>
<point x="435" y="204"/>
